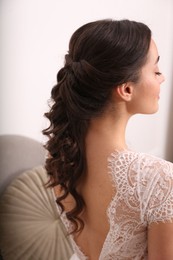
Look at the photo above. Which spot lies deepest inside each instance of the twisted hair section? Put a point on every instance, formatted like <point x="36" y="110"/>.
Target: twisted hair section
<point x="102" y="55"/>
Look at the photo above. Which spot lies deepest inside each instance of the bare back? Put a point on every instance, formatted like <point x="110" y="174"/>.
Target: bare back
<point x="96" y="189"/>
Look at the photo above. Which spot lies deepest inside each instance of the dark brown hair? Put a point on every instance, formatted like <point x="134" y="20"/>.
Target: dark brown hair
<point x="102" y="55"/>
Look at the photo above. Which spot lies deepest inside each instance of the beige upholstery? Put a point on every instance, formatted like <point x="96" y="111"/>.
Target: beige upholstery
<point x="17" y="154"/>
<point x="30" y="227"/>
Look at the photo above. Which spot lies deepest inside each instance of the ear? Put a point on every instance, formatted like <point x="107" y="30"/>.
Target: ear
<point x="125" y="91"/>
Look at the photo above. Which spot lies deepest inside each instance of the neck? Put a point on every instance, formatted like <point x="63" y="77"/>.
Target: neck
<point x="108" y="131"/>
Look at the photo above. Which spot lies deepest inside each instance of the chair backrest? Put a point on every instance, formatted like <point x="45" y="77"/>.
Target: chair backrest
<point x="30" y="226"/>
<point x="17" y="154"/>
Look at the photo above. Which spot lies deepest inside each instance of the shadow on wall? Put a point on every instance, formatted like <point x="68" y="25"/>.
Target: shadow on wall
<point x="169" y="142"/>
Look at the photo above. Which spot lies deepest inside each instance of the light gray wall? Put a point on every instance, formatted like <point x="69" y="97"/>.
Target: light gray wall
<point x="34" y="38"/>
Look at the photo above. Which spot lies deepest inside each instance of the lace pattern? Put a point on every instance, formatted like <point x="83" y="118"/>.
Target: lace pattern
<point x="144" y="194"/>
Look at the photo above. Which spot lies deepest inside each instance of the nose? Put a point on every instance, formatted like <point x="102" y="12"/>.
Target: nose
<point x="162" y="78"/>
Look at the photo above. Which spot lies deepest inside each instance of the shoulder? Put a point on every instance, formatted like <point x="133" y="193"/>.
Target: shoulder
<point x="155" y="188"/>
<point x="153" y="160"/>
<point x="144" y="171"/>
<point x="142" y="163"/>
<point x="150" y="166"/>
<point x="153" y="173"/>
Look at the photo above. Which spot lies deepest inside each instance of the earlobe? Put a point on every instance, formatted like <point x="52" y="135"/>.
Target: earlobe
<point x="125" y="91"/>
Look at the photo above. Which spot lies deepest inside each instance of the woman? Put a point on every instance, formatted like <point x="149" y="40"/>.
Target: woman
<point x="115" y="203"/>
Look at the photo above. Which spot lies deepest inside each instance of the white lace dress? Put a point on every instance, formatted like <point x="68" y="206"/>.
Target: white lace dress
<point x="144" y="194"/>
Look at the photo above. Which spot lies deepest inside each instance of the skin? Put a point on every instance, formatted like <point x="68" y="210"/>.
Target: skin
<point x="146" y="92"/>
<point x="106" y="134"/>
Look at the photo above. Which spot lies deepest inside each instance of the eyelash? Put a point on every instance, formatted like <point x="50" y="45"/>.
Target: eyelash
<point x="158" y="73"/>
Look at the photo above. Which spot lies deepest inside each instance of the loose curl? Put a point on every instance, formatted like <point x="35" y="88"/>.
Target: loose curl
<point x="102" y="55"/>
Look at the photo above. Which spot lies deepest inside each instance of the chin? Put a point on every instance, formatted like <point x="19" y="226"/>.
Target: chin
<point x="152" y="111"/>
<point x="148" y="111"/>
